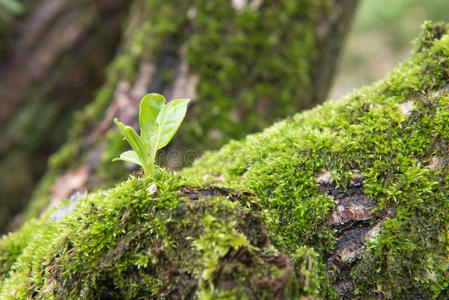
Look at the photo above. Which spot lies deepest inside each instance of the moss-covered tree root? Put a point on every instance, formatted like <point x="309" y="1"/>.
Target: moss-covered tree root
<point x="348" y="200"/>
<point x="244" y="64"/>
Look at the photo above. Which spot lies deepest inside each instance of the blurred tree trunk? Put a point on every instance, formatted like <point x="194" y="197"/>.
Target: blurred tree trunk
<point x="243" y="63"/>
<point x="52" y="59"/>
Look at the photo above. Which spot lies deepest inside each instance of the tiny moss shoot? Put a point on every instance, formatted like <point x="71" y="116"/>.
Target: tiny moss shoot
<point x="158" y="124"/>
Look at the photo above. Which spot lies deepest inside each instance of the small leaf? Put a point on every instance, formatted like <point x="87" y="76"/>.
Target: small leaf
<point x="169" y="120"/>
<point x="133" y="139"/>
<point x="130" y="156"/>
<point x="150" y="107"/>
<point x="158" y="125"/>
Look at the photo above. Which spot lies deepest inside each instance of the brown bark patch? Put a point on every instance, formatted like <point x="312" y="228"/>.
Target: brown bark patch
<point x="356" y="223"/>
<point x="68" y="184"/>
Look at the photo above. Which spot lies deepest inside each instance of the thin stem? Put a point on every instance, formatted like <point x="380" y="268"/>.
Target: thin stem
<point x="148" y="168"/>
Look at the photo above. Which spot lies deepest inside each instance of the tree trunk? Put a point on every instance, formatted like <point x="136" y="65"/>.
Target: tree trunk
<point x="348" y="200"/>
<point x="52" y="59"/>
<point x="244" y="64"/>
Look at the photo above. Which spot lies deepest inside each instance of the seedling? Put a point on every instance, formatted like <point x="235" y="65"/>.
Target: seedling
<point x="158" y="124"/>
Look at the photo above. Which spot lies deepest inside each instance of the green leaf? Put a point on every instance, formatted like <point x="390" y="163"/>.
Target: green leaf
<point x="150" y="107"/>
<point x="158" y="124"/>
<point x="133" y="139"/>
<point x="130" y="156"/>
<point x="169" y="120"/>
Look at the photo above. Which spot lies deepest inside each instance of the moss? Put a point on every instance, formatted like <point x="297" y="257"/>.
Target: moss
<point x="232" y="225"/>
<point x="22" y="157"/>
<point x="366" y="134"/>
<point x="235" y="74"/>
<point x="129" y="243"/>
<point x="12" y="245"/>
<point x="253" y="67"/>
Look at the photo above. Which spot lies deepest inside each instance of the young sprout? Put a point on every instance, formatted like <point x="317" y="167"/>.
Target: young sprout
<point x="158" y="124"/>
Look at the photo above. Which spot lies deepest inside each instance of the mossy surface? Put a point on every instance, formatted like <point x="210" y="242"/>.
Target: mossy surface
<point x="253" y="66"/>
<point x="197" y="234"/>
<point x="131" y="242"/>
<point x="367" y="134"/>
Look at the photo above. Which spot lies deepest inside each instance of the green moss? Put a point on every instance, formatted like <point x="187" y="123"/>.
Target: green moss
<point x="256" y="58"/>
<point x="209" y="241"/>
<point x="22" y="154"/>
<point x="253" y="67"/>
<point x="129" y="243"/>
<point x="12" y="245"/>
<point x="366" y="134"/>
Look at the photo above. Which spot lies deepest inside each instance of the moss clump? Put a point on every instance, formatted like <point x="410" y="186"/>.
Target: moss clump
<point x="131" y="242"/>
<point x="253" y="67"/>
<point x="200" y="235"/>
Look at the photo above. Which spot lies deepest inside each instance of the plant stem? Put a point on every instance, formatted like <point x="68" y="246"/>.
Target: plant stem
<point x="148" y="169"/>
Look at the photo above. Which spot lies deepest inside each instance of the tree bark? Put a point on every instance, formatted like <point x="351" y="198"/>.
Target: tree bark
<point x="51" y="62"/>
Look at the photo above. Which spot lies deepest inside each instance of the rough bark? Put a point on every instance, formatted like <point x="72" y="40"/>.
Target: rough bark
<point x="348" y="200"/>
<point x="52" y="60"/>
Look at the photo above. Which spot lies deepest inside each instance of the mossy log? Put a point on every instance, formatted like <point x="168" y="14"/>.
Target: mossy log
<point x="244" y="64"/>
<point x="347" y="200"/>
<point x="51" y="60"/>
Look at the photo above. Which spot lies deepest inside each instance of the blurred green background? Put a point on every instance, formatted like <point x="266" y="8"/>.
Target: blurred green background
<point x="381" y="37"/>
<point x="9" y="8"/>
